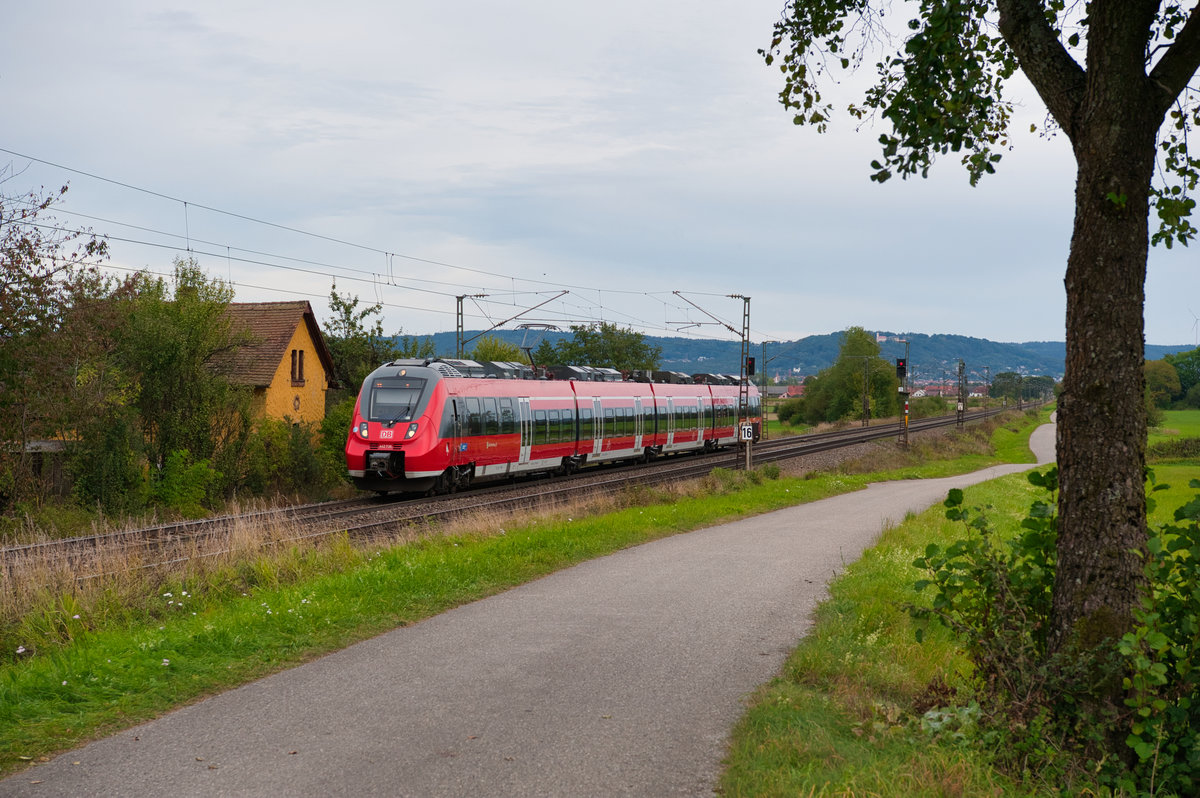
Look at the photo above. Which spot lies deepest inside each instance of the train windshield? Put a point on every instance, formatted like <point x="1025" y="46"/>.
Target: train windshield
<point x="394" y="399"/>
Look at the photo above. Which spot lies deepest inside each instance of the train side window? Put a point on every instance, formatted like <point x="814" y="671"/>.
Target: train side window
<point x="555" y="427"/>
<point x="507" y="419"/>
<point x="491" y="417"/>
<point x="474" y="417"/>
<point x="609" y="429"/>
<point x="539" y="426"/>
<point x="629" y="427"/>
<point x="568" y="425"/>
<point x="586" y="426"/>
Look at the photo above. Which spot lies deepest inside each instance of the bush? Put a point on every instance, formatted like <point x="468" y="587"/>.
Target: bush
<point x="187" y="488"/>
<point x="791" y="411"/>
<point x="1176" y="449"/>
<point x="928" y="407"/>
<point x="284" y="458"/>
<point x="334" y="429"/>
<point x="996" y="596"/>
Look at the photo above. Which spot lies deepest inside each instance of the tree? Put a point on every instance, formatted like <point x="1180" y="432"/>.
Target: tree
<point x="177" y="338"/>
<point x="1111" y="73"/>
<point x="545" y="355"/>
<point x="836" y="393"/>
<point x="607" y="346"/>
<point x="1187" y="367"/>
<point x="357" y="343"/>
<point x="1007" y="385"/>
<point x="41" y="264"/>
<point x="490" y="347"/>
<point x="1162" y="383"/>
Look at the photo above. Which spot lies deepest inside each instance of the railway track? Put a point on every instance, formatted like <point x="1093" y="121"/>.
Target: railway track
<point x="369" y="518"/>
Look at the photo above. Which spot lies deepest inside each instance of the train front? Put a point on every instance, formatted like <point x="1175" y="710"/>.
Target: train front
<point x="394" y="442"/>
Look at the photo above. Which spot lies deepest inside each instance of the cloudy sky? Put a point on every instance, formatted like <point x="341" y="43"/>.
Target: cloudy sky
<point x="418" y="151"/>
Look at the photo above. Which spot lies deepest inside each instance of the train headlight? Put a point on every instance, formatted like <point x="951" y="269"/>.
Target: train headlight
<point x="412" y="430"/>
<point x="362" y="430"/>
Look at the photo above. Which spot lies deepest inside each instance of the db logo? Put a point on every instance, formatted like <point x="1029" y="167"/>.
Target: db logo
<point x="385" y="434"/>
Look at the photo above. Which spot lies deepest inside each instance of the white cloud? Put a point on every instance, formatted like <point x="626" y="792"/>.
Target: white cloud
<point x="618" y="149"/>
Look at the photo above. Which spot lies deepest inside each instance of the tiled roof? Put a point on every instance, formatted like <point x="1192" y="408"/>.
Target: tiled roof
<point x="270" y="326"/>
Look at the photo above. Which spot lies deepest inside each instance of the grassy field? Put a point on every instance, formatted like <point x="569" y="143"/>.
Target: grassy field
<point x="1177" y="424"/>
<point x="75" y="667"/>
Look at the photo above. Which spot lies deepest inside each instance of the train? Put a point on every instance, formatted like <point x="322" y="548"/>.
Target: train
<point x="435" y="425"/>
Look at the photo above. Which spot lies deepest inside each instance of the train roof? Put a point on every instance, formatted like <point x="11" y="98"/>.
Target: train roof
<point x="487" y="369"/>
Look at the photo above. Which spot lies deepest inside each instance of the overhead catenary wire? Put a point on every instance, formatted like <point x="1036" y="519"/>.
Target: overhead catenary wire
<point x="582" y="313"/>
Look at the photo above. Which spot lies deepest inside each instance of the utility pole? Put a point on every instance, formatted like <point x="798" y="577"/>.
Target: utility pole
<point x="962" y="392"/>
<point x="762" y="367"/>
<point x="458" y="326"/>
<point x="904" y="392"/>
<point x="743" y="381"/>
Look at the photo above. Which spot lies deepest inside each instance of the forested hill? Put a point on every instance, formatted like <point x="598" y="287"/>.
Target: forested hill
<point x="929" y="356"/>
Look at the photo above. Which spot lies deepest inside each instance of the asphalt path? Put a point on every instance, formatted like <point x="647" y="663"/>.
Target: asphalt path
<point x="621" y="676"/>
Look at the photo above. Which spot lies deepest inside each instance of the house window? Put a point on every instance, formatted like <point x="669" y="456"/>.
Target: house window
<point x="298" y="367"/>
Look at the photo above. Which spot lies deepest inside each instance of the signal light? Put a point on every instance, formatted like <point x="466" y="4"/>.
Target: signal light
<point x="901" y="368"/>
<point x="750" y="367"/>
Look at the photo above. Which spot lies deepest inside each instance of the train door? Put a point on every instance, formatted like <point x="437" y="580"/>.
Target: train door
<point x="598" y="426"/>
<point x="638" y="422"/>
<point x="525" y="422"/>
<point x="670" y="421"/>
<point x="701" y="427"/>
<point x="458" y="411"/>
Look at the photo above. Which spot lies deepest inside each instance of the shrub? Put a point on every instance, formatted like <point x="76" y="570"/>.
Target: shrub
<point x="284" y="458"/>
<point x="995" y="594"/>
<point x="791" y="411"/>
<point x="1175" y="449"/>
<point x="184" y="487"/>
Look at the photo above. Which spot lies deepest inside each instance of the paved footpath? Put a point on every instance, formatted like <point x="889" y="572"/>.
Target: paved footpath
<point x="618" y="677"/>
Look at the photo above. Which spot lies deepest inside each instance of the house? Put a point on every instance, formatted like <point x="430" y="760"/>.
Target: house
<point x="286" y="363"/>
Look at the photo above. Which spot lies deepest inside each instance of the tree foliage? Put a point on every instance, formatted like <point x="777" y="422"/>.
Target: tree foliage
<point x="603" y="345"/>
<point x="1187" y="367"/>
<point x="358" y="345"/>
<point x="489" y="347"/>
<point x="836" y="393"/>
<point x="42" y="270"/>
<point x="176" y="337"/>
<point x="1162" y="383"/>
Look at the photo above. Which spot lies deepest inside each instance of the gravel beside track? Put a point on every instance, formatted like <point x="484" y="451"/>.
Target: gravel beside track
<point x="620" y="676"/>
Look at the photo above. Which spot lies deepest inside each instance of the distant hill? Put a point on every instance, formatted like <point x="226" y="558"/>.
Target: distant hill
<point x="930" y="357"/>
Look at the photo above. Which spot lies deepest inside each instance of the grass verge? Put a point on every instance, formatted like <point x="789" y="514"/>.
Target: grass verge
<point x="847" y="717"/>
<point x="108" y="663"/>
<point x="862" y="709"/>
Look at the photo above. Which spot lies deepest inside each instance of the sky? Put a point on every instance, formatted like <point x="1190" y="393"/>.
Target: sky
<point x="631" y="154"/>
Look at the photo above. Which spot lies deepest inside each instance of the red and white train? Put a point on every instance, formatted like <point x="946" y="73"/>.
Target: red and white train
<point x="436" y="425"/>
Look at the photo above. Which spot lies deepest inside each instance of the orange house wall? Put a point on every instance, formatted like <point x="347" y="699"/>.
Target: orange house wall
<point x="299" y="403"/>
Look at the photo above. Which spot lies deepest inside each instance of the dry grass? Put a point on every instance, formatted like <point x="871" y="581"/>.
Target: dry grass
<point x="40" y="595"/>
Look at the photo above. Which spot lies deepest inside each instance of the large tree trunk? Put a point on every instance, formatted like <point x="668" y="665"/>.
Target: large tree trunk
<point x="1102" y="420"/>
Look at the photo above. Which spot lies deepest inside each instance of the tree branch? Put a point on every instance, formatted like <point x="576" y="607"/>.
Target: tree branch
<point x="1180" y="62"/>
<point x="1056" y="76"/>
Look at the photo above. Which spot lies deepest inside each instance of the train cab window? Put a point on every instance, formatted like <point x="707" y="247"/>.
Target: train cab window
<point x="491" y="417"/>
<point x="474" y="417"/>
<point x="394" y="399"/>
<point x="508" y="423"/>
